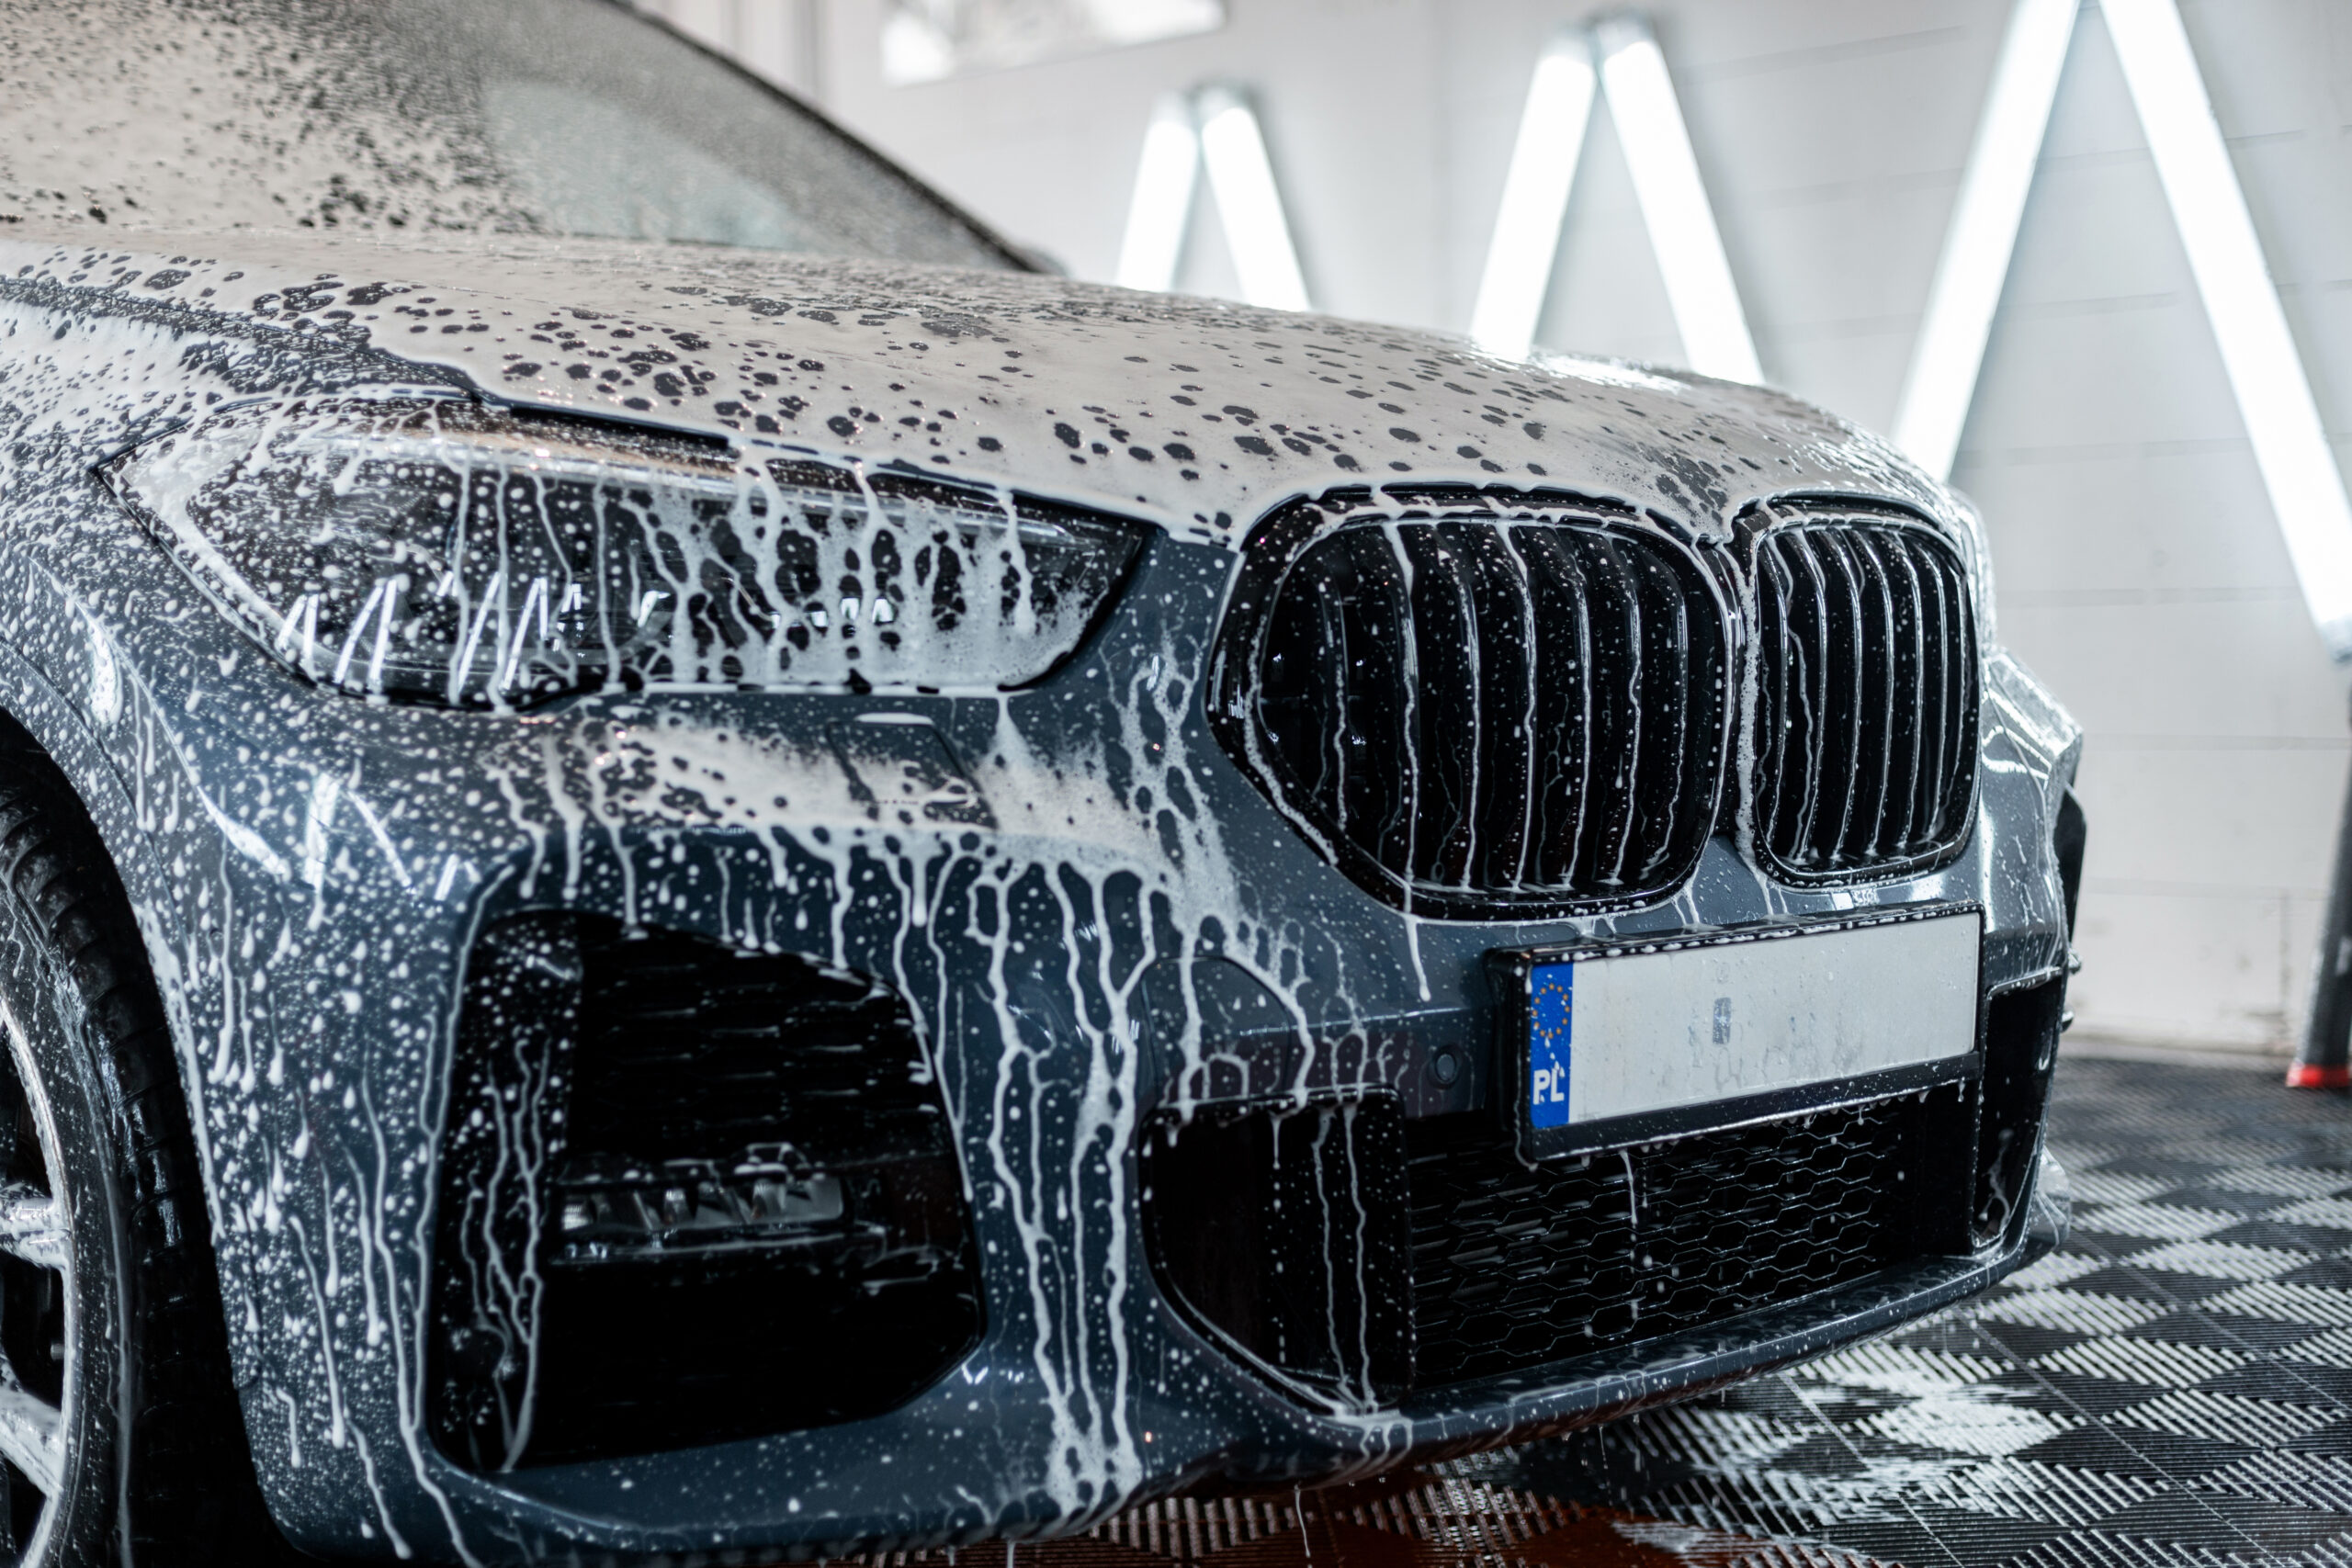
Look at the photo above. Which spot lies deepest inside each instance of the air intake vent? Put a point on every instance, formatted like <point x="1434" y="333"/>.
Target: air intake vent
<point x="1515" y="1269"/>
<point x="1866" y="699"/>
<point x="1359" y="1257"/>
<point x="688" y="1195"/>
<point x="1481" y="705"/>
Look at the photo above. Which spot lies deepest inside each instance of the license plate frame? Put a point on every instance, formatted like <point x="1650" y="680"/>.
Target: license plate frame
<point x="1949" y="1046"/>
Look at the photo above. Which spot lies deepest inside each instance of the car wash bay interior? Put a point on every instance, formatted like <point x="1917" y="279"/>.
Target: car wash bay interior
<point x="2172" y="1386"/>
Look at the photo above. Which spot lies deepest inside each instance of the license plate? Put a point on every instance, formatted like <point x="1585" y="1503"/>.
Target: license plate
<point x="1618" y="1042"/>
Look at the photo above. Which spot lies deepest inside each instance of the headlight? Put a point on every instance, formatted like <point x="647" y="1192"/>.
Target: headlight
<point x="443" y="552"/>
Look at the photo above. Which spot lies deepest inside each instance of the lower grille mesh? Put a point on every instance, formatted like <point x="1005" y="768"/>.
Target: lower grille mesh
<point x="1513" y="1267"/>
<point x="1281" y="1229"/>
<point x="1266" y="1229"/>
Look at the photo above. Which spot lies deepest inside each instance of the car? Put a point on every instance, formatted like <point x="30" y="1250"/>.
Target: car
<point x="694" y="865"/>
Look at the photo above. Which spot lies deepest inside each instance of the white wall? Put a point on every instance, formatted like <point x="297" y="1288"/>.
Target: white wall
<point x="2140" y="571"/>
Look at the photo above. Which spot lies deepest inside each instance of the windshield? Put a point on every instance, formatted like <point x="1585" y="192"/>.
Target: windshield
<point x="545" y="116"/>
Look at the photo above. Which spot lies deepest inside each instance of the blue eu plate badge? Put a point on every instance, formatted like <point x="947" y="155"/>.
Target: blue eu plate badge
<point x="1553" y="1000"/>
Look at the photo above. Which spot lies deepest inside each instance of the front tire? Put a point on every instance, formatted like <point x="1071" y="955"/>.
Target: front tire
<point x="119" y="1438"/>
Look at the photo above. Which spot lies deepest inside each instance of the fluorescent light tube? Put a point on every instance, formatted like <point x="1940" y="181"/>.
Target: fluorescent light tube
<point x="2225" y="256"/>
<point x="1983" y="234"/>
<point x="1247" y="203"/>
<point x="1673" y="200"/>
<point x="1535" y="199"/>
<point x="1161" y="205"/>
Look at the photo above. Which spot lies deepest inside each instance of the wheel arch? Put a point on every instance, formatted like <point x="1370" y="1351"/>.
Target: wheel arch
<point x="184" y="1383"/>
<point x="58" y="730"/>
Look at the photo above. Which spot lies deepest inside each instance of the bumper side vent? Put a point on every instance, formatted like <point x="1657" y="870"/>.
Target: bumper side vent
<point x="2021" y="1029"/>
<point x="1279" y="1229"/>
<point x="1866" y="700"/>
<point x="688" y="1195"/>
<point x="1480" y="704"/>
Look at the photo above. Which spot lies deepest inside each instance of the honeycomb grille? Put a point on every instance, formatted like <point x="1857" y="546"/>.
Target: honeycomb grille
<point x="1866" y="699"/>
<point x="1514" y="1268"/>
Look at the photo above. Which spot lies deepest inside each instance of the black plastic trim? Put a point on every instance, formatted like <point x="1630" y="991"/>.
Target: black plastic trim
<point x="1281" y="537"/>
<point x="1759" y="522"/>
<point x="1516" y="1406"/>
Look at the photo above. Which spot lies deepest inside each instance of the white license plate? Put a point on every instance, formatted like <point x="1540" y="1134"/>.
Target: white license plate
<point x="1639" y="1040"/>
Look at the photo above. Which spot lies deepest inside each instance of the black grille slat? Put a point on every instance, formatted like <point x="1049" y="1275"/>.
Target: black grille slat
<point x="1957" y="734"/>
<point x="1445" y="631"/>
<point x="1866" y="699"/>
<point x="1793" y="616"/>
<point x="1875" y="742"/>
<point x="1911" y="659"/>
<point x="1850" y="688"/>
<point x="1564" y="667"/>
<point x="1610" y="807"/>
<point x="1485" y="711"/>
<point x="1898" y="763"/>
<point x="1506" y="700"/>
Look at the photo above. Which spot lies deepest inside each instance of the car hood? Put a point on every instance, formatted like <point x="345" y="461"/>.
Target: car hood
<point x="1197" y="413"/>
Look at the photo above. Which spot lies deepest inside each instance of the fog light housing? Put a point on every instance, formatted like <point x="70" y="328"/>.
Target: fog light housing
<point x="688" y="1195"/>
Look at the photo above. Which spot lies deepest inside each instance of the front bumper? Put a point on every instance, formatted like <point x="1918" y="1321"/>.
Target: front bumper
<point x="1087" y="1390"/>
<point x="1264" y="1439"/>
